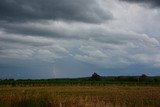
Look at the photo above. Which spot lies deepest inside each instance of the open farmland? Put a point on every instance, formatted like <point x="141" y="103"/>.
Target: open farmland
<point x="80" y="96"/>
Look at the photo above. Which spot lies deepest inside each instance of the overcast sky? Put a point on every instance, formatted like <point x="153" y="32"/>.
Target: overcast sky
<point x="74" y="38"/>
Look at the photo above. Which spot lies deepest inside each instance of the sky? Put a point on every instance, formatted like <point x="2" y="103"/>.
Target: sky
<point x="42" y="39"/>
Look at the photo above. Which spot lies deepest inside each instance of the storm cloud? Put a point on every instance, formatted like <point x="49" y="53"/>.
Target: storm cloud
<point x="71" y="10"/>
<point x="151" y="3"/>
<point x="77" y="37"/>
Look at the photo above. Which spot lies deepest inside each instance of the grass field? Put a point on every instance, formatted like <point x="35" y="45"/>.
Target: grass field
<point x="80" y="96"/>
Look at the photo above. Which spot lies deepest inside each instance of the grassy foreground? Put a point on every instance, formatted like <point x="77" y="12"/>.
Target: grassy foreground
<point x="80" y="96"/>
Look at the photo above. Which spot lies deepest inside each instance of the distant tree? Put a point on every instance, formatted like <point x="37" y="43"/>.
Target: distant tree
<point x="95" y="76"/>
<point x="143" y="77"/>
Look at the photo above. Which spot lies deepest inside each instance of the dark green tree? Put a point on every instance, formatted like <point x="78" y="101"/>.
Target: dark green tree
<point x="143" y="77"/>
<point x="95" y="77"/>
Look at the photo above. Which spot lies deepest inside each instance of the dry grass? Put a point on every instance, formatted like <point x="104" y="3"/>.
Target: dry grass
<point x="80" y="96"/>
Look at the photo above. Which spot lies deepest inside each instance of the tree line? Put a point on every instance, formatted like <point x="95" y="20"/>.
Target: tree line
<point x="94" y="79"/>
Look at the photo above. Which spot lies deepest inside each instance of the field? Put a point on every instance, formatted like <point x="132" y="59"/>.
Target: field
<point x="111" y="95"/>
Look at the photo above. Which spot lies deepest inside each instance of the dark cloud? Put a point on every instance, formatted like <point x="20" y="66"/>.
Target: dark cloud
<point x="71" y="10"/>
<point x="151" y="3"/>
<point x="78" y="37"/>
<point x="18" y="28"/>
<point x="25" y="42"/>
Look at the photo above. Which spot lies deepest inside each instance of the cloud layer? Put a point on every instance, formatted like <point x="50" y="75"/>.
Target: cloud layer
<point x="70" y="10"/>
<point x="104" y="35"/>
<point x="152" y="3"/>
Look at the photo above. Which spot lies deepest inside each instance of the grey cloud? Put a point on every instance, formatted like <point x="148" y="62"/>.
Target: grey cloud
<point x="151" y="3"/>
<point x="28" y="40"/>
<point x="21" y="28"/>
<point x="118" y="56"/>
<point x="30" y="47"/>
<point x="71" y="10"/>
<point x="99" y="44"/>
<point x="50" y="30"/>
<point x="43" y="53"/>
<point x="75" y="31"/>
<point x="32" y="29"/>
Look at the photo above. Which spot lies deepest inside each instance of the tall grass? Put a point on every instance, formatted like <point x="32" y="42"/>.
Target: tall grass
<point x="80" y="96"/>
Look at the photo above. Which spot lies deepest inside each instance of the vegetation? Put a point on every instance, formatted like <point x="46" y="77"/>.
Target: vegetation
<point x="94" y="91"/>
<point x="80" y="96"/>
<point x="95" y="79"/>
